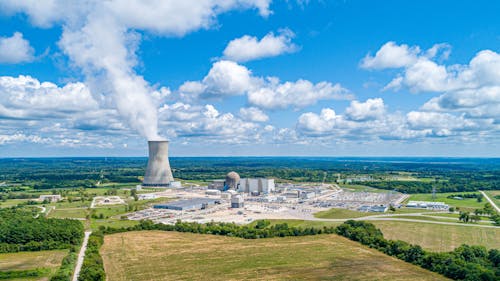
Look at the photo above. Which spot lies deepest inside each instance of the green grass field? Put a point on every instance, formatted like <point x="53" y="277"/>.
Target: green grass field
<point x="336" y="213"/>
<point x="68" y="213"/>
<point x="117" y="223"/>
<point x="156" y="255"/>
<point x="465" y="204"/>
<point x="49" y="261"/>
<point x="361" y="188"/>
<point x="340" y="214"/>
<point x="430" y="236"/>
<point x="492" y="194"/>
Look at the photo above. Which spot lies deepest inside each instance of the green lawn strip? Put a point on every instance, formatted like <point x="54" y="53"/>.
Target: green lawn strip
<point x="465" y="203"/>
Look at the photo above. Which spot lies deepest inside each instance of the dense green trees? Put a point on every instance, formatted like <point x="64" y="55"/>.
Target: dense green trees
<point x="93" y="267"/>
<point x="20" y="231"/>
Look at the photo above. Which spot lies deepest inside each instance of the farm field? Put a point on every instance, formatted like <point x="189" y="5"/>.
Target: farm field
<point x="157" y="255"/>
<point x="439" y="238"/>
<point x="465" y="204"/>
<point x="47" y="261"/>
<point x="433" y="237"/>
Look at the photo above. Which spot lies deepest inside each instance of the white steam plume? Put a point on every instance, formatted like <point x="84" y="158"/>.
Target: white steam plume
<point x="99" y="38"/>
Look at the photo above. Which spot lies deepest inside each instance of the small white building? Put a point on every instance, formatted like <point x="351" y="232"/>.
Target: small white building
<point x="147" y="196"/>
<point x="237" y="201"/>
<point x="214" y="192"/>
<point x="50" y="198"/>
<point x="175" y="184"/>
<point x="217" y="184"/>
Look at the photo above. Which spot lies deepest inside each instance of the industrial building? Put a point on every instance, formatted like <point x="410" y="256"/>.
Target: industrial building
<point x="188" y="204"/>
<point x="377" y="209"/>
<point x="428" y="205"/>
<point x="237" y="201"/>
<point x="50" y="198"/>
<point x="256" y="185"/>
<point x="158" y="172"/>
<point x="217" y="184"/>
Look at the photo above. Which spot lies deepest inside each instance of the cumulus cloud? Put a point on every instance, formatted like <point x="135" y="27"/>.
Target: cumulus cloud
<point x="253" y="114"/>
<point x="205" y="121"/>
<point x="370" y="109"/>
<point x="298" y="94"/>
<point x="25" y="97"/>
<point x="469" y="99"/>
<point x="100" y="38"/>
<point x="227" y="78"/>
<point x="248" y="48"/>
<point x="391" y="55"/>
<point x="370" y="120"/>
<point x="15" y="49"/>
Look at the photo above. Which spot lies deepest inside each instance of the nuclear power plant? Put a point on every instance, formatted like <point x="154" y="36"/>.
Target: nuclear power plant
<point x="158" y="172"/>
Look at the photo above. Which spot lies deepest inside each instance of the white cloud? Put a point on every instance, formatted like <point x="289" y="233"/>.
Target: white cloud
<point x="206" y="122"/>
<point x="391" y="55"/>
<point x="18" y="137"/>
<point x="100" y="38"/>
<point x="26" y="97"/>
<point x="316" y="124"/>
<point x="248" y="48"/>
<point x="368" y="110"/>
<point x="227" y="78"/>
<point x="297" y="94"/>
<point x="253" y="114"/>
<point x="15" y="49"/>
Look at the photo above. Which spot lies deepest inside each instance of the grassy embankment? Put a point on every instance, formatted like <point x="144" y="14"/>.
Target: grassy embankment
<point x="156" y="255"/>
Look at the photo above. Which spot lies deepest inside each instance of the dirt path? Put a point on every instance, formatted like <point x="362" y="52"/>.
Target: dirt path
<point x="491" y="201"/>
<point x="81" y="255"/>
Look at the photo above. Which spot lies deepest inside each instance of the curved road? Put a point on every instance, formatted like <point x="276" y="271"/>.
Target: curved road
<point x="81" y="255"/>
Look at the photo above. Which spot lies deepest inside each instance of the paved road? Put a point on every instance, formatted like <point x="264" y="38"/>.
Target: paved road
<point x="81" y="255"/>
<point x="491" y="201"/>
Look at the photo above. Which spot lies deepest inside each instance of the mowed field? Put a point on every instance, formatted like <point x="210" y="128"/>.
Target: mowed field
<point x="439" y="238"/>
<point x="158" y="255"/>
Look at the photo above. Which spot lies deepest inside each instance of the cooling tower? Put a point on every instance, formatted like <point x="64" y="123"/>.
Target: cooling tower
<point x="158" y="172"/>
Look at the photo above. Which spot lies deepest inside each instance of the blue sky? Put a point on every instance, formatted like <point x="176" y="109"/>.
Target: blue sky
<point x="250" y="77"/>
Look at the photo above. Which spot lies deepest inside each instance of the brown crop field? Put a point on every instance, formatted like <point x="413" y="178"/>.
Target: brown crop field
<point x="157" y="255"/>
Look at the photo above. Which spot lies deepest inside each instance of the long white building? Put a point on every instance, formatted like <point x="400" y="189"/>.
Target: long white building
<point x="260" y="185"/>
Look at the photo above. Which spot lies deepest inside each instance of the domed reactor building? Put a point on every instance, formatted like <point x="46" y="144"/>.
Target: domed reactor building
<point x="232" y="181"/>
<point x="158" y="173"/>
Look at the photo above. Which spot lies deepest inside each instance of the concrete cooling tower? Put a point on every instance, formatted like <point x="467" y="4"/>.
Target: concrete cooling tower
<point x="158" y="172"/>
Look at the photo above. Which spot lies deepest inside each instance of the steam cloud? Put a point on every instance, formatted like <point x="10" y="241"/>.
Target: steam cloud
<point x="99" y="38"/>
